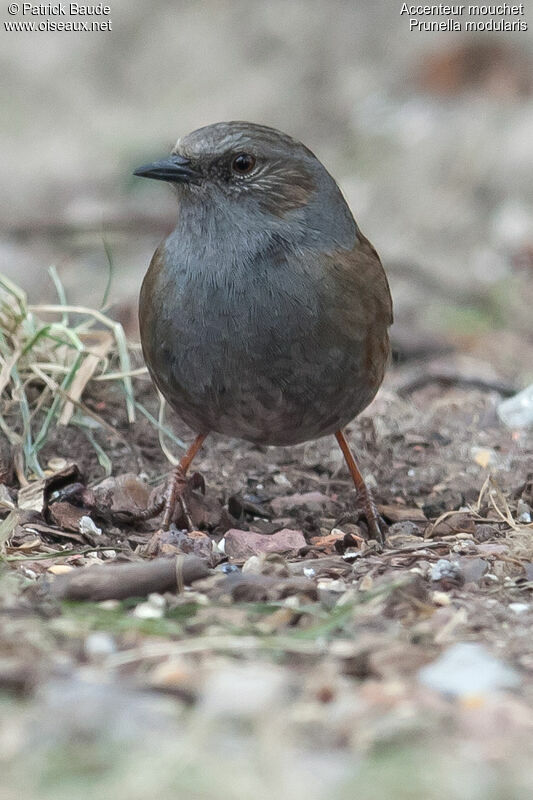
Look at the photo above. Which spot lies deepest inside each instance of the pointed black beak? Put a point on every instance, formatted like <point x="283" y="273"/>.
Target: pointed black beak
<point x="175" y="169"/>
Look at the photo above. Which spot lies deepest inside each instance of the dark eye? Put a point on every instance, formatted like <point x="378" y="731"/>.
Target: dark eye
<point x="243" y="163"/>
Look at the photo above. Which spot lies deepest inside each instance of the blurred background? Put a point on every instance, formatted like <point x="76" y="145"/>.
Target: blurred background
<point x="429" y="135"/>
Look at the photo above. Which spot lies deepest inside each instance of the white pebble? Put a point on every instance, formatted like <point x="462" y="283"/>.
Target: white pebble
<point x="519" y="608"/>
<point x="86" y="525"/>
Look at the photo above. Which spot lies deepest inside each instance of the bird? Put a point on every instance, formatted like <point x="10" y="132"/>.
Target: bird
<point x="265" y="314"/>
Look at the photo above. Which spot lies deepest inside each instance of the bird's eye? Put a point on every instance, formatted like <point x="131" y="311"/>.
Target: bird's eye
<point x="243" y="163"/>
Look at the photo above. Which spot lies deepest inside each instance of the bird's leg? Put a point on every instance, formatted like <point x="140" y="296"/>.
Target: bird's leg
<point x="178" y="482"/>
<point x="173" y="492"/>
<point x="369" y="506"/>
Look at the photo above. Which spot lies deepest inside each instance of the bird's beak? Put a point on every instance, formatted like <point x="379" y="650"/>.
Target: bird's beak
<point x="175" y="169"/>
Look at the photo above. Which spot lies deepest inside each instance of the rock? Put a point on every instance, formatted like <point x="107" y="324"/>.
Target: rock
<point x="243" y="544"/>
<point x="124" y="493"/>
<point x="243" y="690"/>
<point x="248" y="588"/>
<point x="252" y="566"/>
<point x="517" y="411"/>
<point x="296" y="585"/>
<point x="473" y="569"/>
<point x="281" y="479"/>
<point x="405" y="528"/>
<point x="273" y="564"/>
<point x="88" y="527"/>
<point x="492" y="549"/>
<point x="308" y="501"/>
<point x="99" y="644"/>
<point x="468" y="669"/>
<point x="523" y="512"/>
<point x="460" y="522"/>
<point x="485" y="532"/>
<point x="172" y="542"/>
<point x="153" y="608"/>
<point x="400" y="513"/>
<point x="60" y="569"/>
<point x="261" y="588"/>
<point x="519" y="608"/>
<point x="175" y="676"/>
<point x="448" y="573"/>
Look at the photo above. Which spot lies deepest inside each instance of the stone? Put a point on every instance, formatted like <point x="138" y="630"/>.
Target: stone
<point x="241" y="545"/>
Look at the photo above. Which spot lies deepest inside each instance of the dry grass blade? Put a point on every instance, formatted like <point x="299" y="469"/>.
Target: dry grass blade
<point x="59" y="357"/>
<point x="433" y="526"/>
<point x="499" y="503"/>
<point x="55" y="387"/>
<point x="7" y="526"/>
<point x="120" y="340"/>
<point x="95" y="354"/>
<point x="34" y="351"/>
<point x="7" y="366"/>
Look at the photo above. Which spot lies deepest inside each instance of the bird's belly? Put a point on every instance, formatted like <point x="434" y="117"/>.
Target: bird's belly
<point x="262" y="366"/>
<point x="258" y="390"/>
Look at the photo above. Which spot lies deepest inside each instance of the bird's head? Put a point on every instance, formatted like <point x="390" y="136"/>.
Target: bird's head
<point x="257" y="172"/>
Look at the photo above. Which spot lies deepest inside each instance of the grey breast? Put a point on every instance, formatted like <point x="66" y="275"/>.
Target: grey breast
<point x="241" y="349"/>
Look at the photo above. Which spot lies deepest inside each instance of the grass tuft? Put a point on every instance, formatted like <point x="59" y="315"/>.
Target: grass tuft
<point x="48" y="355"/>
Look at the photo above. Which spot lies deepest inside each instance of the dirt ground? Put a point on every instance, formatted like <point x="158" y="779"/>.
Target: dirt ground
<point x="320" y="668"/>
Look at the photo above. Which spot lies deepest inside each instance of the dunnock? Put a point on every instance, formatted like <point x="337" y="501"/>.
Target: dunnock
<point x="265" y="314"/>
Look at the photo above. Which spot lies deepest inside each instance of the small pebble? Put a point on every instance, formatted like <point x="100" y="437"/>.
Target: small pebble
<point x="60" y="569"/>
<point x="99" y="644"/>
<point x="524" y="513"/>
<point x="153" y="608"/>
<point x="87" y="526"/>
<point x="441" y="598"/>
<point x="468" y="669"/>
<point x="444" y="569"/>
<point x="331" y="585"/>
<point x="56" y="464"/>
<point x="229" y="569"/>
<point x="281" y="479"/>
<point x="519" y="608"/>
<point x="252" y="566"/>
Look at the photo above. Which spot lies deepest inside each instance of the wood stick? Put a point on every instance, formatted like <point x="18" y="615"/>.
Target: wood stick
<point x="119" y="581"/>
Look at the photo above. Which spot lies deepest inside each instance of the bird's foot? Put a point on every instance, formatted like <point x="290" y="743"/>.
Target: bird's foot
<point x="377" y="527"/>
<point x="364" y="510"/>
<point x="171" y="501"/>
<point x="174" y="499"/>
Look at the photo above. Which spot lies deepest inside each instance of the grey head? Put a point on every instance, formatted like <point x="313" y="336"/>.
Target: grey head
<point x="258" y="179"/>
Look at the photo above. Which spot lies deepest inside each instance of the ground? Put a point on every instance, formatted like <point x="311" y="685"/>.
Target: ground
<point x="325" y="668"/>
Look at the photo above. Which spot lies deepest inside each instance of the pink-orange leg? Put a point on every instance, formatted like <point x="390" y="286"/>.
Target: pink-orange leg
<point x="177" y="481"/>
<point x="369" y="507"/>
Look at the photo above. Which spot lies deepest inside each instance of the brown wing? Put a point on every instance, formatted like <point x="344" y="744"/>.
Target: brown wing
<point x="358" y="305"/>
